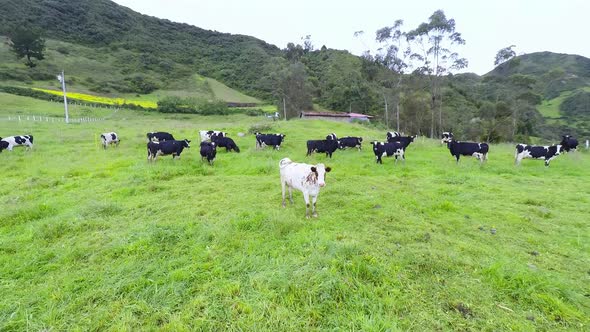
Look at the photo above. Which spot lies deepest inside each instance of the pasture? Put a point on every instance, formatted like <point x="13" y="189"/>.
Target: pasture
<point x="101" y="240"/>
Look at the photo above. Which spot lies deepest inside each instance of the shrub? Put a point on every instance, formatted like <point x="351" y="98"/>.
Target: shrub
<point x="260" y="127"/>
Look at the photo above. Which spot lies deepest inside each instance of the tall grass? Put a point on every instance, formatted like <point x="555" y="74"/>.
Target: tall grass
<point x="94" y="239"/>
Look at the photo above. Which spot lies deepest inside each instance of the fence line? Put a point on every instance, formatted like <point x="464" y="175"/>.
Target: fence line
<point x="39" y="118"/>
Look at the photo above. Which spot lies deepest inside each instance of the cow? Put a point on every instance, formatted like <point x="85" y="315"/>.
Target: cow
<point x="164" y="148"/>
<point x="477" y="150"/>
<point x="546" y="153"/>
<point x="225" y="142"/>
<point x="388" y="149"/>
<point x="273" y="140"/>
<point x="327" y="146"/>
<point x="207" y="134"/>
<point x="447" y="136"/>
<point x="350" y="142"/>
<point x="304" y="177"/>
<point x="332" y="137"/>
<point x="404" y="140"/>
<point x="109" y="138"/>
<point x="391" y="134"/>
<point x="569" y="143"/>
<point x="8" y="143"/>
<point x="159" y="136"/>
<point x="208" y="150"/>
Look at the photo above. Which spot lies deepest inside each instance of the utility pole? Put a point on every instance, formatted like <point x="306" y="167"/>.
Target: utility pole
<point x="386" y="112"/>
<point x="62" y="79"/>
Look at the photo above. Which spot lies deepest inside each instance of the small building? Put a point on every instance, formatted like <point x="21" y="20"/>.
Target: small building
<point x="335" y="116"/>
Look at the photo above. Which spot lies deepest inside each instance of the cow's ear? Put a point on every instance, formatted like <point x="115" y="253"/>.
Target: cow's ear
<point x="313" y="169"/>
<point x="328" y="169"/>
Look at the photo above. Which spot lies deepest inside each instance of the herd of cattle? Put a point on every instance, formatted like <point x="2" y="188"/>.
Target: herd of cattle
<point x="310" y="178"/>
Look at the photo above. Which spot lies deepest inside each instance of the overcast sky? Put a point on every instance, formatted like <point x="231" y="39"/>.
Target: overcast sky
<point x="487" y="26"/>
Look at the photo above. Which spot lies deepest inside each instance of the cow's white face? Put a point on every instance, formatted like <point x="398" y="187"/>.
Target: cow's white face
<point x="321" y="170"/>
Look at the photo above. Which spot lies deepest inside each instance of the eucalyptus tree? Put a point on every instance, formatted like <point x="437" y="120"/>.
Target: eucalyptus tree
<point x="504" y="55"/>
<point x="395" y="55"/>
<point x="434" y="41"/>
<point x="27" y="43"/>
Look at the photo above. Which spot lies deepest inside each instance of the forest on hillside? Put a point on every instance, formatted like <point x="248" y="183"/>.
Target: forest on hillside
<point x="409" y="84"/>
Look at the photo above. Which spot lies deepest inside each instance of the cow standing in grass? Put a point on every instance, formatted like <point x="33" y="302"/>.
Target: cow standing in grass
<point x="388" y="149"/>
<point x="304" y="177"/>
<point x="350" y="142"/>
<point x="159" y="136"/>
<point x="477" y="150"/>
<point x="8" y="143"/>
<point x="208" y="151"/>
<point x="569" y="143"/>
<point x="273" y="140"/>
<point x="174" y="148"/>
<point x="546" y="153"/>
<point x="327" y="146"/>
<point x="109" y="138"/>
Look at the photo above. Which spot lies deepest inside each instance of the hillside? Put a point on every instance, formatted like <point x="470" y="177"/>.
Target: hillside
<point x="141" y="44"/>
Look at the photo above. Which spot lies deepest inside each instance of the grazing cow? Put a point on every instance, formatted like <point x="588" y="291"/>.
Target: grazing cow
<point x="569" y="143"/>
<point x="404" y="140"/>
<point x="208" y="134"/>
<point x="546" y="153"/>
<point x="350" y="142"/>
<point x="477" y="150"/>
<point x="304" y="177"/>
<point x="327" y="146"/>
<point x="225" y="142"/>
<point x="164" y="148"/>
<point x="109" y="138"/>
<point x="8" y="143"/>
<point x="159" y="136"/>
<point x="391" y="134"/>
<point x="332" y="137"/>
<point x="447" y="136"/>
<point x="388" y="149"/>
<point x="208" y="150"/>
<point x="273" y="140"/>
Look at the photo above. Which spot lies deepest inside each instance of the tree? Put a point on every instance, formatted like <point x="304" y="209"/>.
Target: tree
<point x="395" y="56"/>
<point x="504" y="55"/>
<point x="27" y="43"/>
<point x="435" y="39"/>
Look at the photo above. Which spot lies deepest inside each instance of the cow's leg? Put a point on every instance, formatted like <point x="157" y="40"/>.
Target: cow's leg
<point x="314" y="212"/>
<point x="306" y="198"/>
<point x="283" y="191"/>
<point x="457" y="156"/>
<point x="291" y="195"/>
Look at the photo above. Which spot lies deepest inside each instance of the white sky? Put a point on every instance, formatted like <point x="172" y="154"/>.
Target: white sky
<point x="487" y="26"/>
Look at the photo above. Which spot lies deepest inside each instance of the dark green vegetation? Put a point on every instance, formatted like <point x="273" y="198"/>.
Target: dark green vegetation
<point x="102" y="240"/>
<point x="109" y="49"/>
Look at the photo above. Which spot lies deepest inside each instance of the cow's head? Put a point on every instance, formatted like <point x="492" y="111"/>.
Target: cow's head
<point x="282" y="137"/>
<point x="320" y="171"/>
<point x="3" y="145"/>
<point x="185" y="143"/>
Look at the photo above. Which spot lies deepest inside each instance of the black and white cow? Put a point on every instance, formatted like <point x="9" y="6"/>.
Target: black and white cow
<point x="546" y="153"/>
<point x="109" y="138"/>
<point x="208" y="134"/>
<point x="304" y="177"/>
<point x="404" y="140"/>
<point x="569" y="143"/>
<point x="8" y="143"/>
<point x="446" y="137"/>
<point x="225" y="142"/>
<point x="388" y="149"/>
<point x="208" y="150"/>
<point x="159" y="136"/>
<point x="327" y="146"/>
<point x="477" y="150"/>
<point x="391" y="134"/>
<point x="350" y="142"/>
<point x="273" y="140"/>
<point x="332" y="137"/>
<point x="164" y="148"/>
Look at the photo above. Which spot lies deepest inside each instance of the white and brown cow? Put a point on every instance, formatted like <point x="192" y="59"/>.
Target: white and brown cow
<point x="304" y="177"/>
<point x="109" y="138"/>
<point x="8" y="143"/>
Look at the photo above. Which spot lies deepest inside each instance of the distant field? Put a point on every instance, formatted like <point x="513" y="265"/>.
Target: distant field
<point x="103" y="240"/>
<point x="550" y="108"/>
<point x="222" y="92"/>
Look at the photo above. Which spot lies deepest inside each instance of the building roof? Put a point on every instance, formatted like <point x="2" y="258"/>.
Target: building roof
<point x="337" y="114"/>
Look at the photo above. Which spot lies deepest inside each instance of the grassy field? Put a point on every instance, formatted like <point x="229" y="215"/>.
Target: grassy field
<point x="102" y="240"/>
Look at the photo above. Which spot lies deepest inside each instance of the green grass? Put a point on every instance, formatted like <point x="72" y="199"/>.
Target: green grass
<point x="550" y="108"/>
<point x="102" y="240"/>
<point x="223" y="92"/>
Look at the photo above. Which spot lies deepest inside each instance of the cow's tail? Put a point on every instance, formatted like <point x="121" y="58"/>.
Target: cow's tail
<point x="284" y="162"/>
